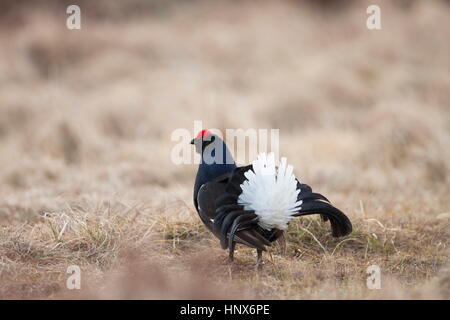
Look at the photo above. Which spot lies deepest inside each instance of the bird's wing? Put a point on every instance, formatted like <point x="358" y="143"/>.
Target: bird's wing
<point x="232" y="222"/>
<point x="207" y="198"/>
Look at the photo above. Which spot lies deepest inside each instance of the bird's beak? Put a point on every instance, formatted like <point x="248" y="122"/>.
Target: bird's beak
<point x="193" y="141"/>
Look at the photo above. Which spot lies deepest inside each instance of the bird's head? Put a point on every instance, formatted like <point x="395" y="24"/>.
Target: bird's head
<point x="212" y="148"/>
<point x="202" y="140"/>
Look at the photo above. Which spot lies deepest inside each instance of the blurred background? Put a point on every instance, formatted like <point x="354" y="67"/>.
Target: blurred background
<point x="86" y="115"/>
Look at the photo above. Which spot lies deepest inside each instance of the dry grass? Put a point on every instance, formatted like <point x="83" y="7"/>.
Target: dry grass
<point x="85" y="123"/>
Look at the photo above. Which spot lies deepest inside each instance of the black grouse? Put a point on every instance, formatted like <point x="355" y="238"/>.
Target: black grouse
<point x="252" y="205"/>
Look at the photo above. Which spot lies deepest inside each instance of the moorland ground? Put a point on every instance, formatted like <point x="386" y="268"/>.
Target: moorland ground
<point x="85" y="124"/>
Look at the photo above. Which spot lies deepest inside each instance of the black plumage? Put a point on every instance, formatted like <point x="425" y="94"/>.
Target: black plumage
<point x="218" y="186"/>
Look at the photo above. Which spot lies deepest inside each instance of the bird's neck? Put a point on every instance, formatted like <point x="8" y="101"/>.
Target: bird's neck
<point x="209" y="170"/>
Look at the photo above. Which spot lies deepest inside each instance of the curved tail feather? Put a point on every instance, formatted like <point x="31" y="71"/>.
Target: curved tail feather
<point x="340" y="224"/>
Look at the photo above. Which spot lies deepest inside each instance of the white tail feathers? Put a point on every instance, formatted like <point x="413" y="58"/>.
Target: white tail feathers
<point x="271" y="192"/>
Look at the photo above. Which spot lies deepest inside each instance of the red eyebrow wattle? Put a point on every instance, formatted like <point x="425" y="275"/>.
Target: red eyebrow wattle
<point x="204" y="133"/>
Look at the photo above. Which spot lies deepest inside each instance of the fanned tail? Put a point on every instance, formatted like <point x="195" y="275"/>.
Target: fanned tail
<point x="259" y="201"/>
<point x="271" y="192"/>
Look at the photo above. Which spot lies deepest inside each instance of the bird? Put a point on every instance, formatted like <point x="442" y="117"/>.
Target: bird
<point x="252" y="205"/>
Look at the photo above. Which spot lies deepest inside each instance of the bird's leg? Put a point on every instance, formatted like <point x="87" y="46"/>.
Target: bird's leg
<point x="281" y="242"/>
<point x="259" y="262"/>
<point x="231" y="252"/>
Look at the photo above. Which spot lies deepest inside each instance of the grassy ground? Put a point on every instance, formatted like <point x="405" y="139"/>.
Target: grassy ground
<point x="85" y="124"/>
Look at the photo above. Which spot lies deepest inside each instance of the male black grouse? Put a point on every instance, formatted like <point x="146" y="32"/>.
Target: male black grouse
<point x="252" y="205"/>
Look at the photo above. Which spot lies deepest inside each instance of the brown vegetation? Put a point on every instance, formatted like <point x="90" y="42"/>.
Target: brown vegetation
<point x="85" y="124"/>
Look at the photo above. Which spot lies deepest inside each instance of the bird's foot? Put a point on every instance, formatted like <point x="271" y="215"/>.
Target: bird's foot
<point x="259" y="266"/>
<point x="231" y="252"/>
<point x="259" y="261"/>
